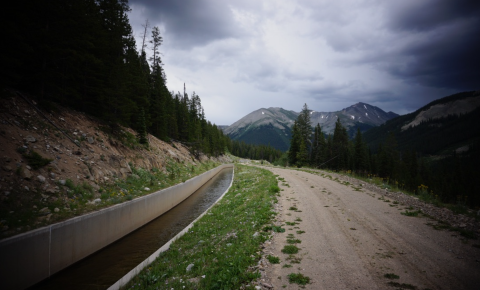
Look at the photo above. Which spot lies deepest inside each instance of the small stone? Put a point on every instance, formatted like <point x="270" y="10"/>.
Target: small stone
<point x="7" y="168"/>
<point x="266" y="285"/>
<point x="26" y="188"/>
<point x="90" y="140"/>
<point x="52" y="175"/>
<point x="30" y="139"/>
<point x="26" y="174"/>
<point x="189" y="267"/>
<point x="62" y="182"/>
<point x="258" y="288"/>
<point x="44" y="211"/>
<point x="41" y="178"/>
<point x="28" y="167"/>
<point x="35" y="206"/>
<point x="146" y="189"/>
<point x="56" y="209"/>
<point x="255" y="234"/>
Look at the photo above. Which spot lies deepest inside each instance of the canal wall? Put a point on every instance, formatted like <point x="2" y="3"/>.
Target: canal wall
<point x="29" y="258"/>
<point x="135" y="271"/>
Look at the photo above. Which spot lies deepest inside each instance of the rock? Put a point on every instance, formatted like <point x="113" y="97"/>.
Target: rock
<point x="30" y="139"/>
<point x="7" y="168"/>
<point x="95" y="201"/>
<point x="258" y="288"/>
<point x="26" y="188"/>
<point x="266" y="285"/>
<point x="90" y="140"/>
<point x="62" y="182"/>
<point x="146" y="189"/>
<point x="56" y="209"/>
<point x="41" y="178"/>
<point x="44" y="211"/>
<point x="189" y="267"/>
<point x="51" y="190"/>
<point x="52" y="175"/>
<point x="255" y="234"/>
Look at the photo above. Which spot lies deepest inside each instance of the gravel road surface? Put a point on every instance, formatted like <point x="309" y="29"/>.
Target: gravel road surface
<point x="351" y="237"/>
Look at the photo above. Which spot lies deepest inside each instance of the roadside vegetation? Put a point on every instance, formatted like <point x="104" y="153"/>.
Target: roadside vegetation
<point x="83" y="198"/>
<point x="222" y="248"/>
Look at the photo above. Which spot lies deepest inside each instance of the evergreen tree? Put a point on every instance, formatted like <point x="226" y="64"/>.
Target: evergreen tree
<point x="360" y="153"/>
<point x="294" y="145"/>
<point x="340" y="147"/>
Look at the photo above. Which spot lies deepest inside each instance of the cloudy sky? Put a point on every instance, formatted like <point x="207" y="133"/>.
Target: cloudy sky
<point x="242" y="55"/>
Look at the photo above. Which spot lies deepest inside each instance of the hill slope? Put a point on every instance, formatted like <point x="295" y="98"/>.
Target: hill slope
<point x="444" y="125"/>
<point x="62" y="163"/>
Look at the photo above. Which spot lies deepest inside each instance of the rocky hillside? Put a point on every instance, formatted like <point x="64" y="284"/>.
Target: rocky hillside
<point x="58" y="163"/>
<point x="442" y="126"/>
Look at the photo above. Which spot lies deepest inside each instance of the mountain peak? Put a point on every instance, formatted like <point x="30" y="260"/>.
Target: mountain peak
<point x="273" y="125"/>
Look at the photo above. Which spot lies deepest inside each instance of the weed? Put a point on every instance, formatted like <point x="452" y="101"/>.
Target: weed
<point x="287" y="266"/>
<point x="298" y="219"/>
<point x="291" y="223"/>
<point x="276" y="229"/>
<point x="299" y="279"/>
<point x="391" y="276"/>
<point x="36" y="160"/>
<point x="274" y="189"/>
<point x="401" y="286"/>
<point x="300" y="232"/>
<point x="293" y="208"/>
<point x="273" y="259"/>
<point x="290" y="249"/>
<point x="411" y="213"/>
<point x="293" y="241"/>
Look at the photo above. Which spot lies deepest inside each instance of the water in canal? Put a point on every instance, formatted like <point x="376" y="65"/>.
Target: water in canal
<point x="103" y="268"/>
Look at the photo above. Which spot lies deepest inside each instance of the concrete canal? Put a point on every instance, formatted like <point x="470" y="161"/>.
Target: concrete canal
<point x="105" y="267"/>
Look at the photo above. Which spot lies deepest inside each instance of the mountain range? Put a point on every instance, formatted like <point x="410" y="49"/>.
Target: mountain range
<point x="273" y="125"/>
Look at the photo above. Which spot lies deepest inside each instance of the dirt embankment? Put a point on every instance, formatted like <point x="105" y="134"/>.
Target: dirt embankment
<point x="352" y="237"/>
<point x="80" y="149"/>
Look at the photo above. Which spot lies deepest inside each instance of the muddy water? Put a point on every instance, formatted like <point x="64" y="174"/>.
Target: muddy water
<point x="108" y="265"/>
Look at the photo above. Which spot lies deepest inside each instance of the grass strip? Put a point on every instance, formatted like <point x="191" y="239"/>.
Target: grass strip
<point x="222" y="248"/>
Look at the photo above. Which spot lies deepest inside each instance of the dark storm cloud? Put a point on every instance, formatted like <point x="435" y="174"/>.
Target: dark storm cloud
<point x="190" y="23"/>
<point x="445" y="52"/>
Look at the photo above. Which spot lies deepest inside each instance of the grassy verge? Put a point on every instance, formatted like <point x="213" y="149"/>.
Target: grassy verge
<point x="73" y="200"/>
<point x="222" y="248"/>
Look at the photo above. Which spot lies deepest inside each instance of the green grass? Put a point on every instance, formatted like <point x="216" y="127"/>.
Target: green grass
<point x="273" y="259"/>
<point x="290" y="249"/>
<point x="216" y="264"/>
<point x="299" y="279"/>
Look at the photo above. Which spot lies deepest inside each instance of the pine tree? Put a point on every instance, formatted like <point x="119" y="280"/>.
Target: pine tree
<point x="340" y="147"/>
<point x="294" y="145"/>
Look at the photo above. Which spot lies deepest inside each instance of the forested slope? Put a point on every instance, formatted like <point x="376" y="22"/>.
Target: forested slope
<point x="82" y="54"/>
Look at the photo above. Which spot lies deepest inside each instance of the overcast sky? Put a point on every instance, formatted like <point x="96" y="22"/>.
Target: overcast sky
<point x="242" y="55"/>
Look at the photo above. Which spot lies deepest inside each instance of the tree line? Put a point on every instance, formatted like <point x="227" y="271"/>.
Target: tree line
<point x="451" y="179"/>
<point x="82" y="54"/>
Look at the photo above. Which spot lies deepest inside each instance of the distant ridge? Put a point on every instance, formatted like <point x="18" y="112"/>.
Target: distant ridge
<point x="272" y="126"/>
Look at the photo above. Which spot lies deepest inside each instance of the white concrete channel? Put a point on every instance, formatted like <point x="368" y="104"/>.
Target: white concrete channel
<point x="29" y="258"/>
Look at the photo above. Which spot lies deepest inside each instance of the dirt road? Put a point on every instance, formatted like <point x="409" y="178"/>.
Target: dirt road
<point x="350" y="238"/>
